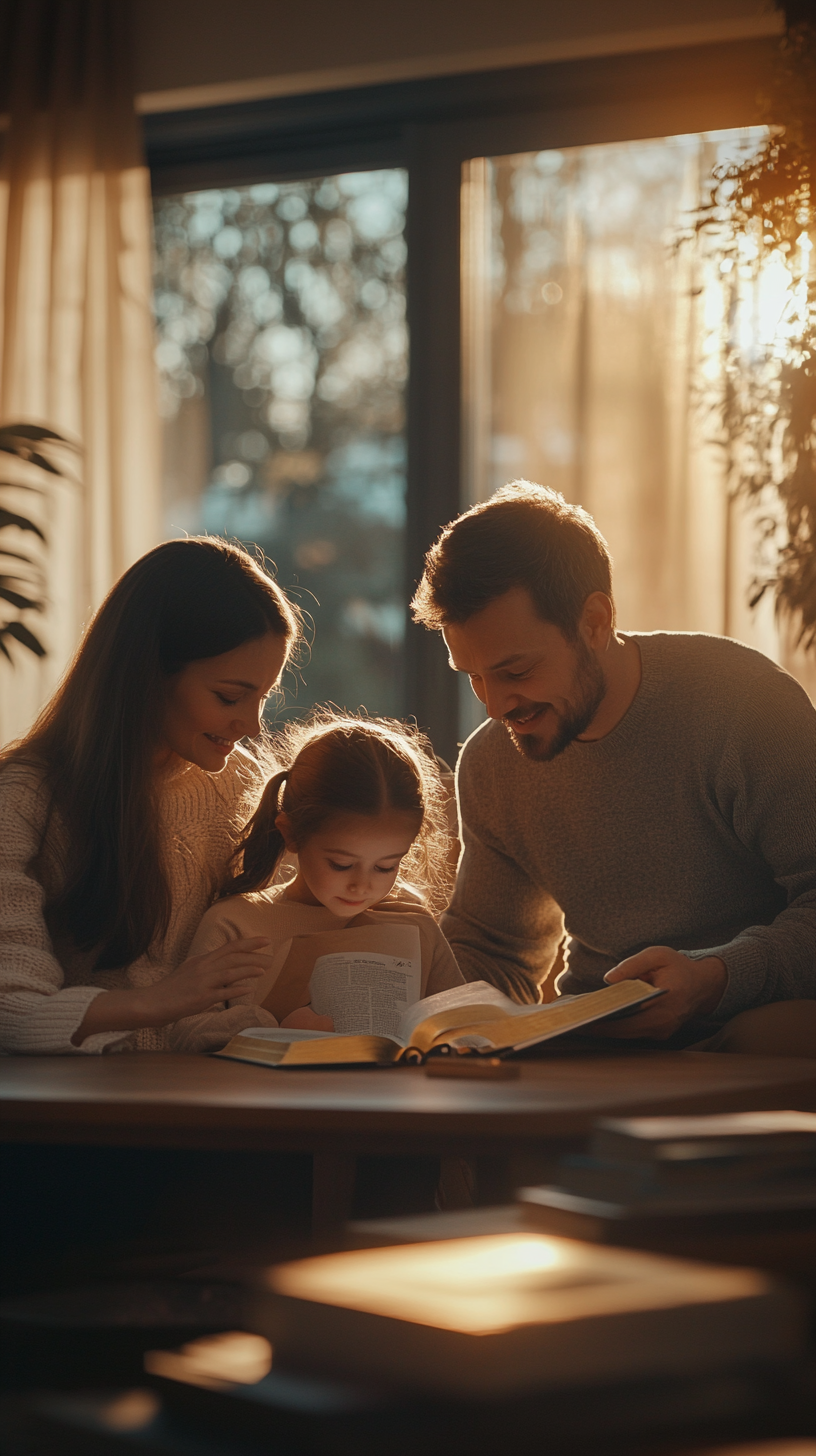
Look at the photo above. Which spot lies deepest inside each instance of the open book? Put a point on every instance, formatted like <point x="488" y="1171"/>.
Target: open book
<point x="364" y="977"/>
<point x="474" y="1019"/>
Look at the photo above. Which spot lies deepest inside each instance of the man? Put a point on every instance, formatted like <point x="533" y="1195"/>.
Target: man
<point x="654" y="793"/>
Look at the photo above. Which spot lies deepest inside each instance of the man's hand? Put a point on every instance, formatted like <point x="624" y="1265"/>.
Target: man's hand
<point x="692" y="988"/>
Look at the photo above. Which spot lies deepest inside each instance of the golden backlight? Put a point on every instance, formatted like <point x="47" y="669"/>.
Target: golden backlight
<point x="234" y="1357"/>
<point x="491" y="1284"/>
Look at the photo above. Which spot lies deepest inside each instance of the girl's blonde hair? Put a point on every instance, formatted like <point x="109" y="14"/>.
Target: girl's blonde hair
<point x="347" y="765"/>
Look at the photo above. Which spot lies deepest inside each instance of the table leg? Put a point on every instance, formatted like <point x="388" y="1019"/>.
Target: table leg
<point x="332" y="1191"/>
<point x="457" y="1184"/>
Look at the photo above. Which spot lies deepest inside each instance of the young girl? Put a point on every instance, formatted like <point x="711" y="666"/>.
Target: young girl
<point x="361" y="805"/>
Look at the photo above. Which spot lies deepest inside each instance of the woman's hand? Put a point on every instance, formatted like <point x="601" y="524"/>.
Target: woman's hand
<point x="692" y="988"/>
<point x="305" y="1019"/>
<point x="197" y="985"/>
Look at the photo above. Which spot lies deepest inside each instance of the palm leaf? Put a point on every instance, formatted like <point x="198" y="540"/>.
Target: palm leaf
<point x="24" y="636"/>
<point x="31" y="458"/>
<point x="24" y="442"/>
<point x="32" y="432"/>
<point x="18" y="485"/>
<point x="16" y="556"/>
<point x="20" y="440"/>
<point x="22" y="603"/>
<point x="9" y="518"/>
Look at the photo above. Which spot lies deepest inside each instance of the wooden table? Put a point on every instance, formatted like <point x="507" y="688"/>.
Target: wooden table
<point x="160" y="1100"/>
<point x="152" y="1099"/>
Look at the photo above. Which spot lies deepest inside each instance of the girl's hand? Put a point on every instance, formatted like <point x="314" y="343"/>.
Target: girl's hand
<point x="305" y="1019"/>
<point x="197" y="985"/>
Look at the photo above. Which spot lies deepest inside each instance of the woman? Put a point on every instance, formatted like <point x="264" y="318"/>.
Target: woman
<point x="121" y="808"/>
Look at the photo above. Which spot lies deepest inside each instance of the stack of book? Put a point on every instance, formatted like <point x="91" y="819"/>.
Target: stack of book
<point x="739" y="1187"/>
<point x="510" y="1312"/>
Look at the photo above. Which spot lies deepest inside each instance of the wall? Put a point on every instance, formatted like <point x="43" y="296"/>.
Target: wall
<point x="200" y="52"/>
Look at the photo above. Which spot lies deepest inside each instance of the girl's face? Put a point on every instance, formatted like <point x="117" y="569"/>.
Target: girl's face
<point x="351" y="863"/>
<point x="214" y="702"/>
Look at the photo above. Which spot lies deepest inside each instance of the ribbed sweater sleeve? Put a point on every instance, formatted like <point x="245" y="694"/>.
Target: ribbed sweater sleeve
<point x="45" y="990"/>
<point x="211" y="1030"/>
<point x="765" y="788"/>
<point x="691" y="824"/>
<point x="501" y="926"/>
<point x="38" y="1013"/>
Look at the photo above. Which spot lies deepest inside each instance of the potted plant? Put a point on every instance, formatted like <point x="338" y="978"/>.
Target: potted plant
<point x="22" y="579"/>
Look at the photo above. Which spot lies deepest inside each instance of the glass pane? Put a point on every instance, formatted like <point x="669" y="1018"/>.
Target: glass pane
<point x="590" y="350"/>
<point x="282" y="352"/>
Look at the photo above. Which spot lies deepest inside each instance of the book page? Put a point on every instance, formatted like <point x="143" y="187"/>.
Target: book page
<point x="342" y="1050"/>
<point x="476" y="994"/>
<point x="365" y="993"/>
<point x="268" y="1046"/>
<point x="542" y="1023"/>
<point x="292" y="986"/>
<point x="284" y="1034"/>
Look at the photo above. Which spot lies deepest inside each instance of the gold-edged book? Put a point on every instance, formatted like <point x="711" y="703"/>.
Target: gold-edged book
<point x="472" y="1020"/>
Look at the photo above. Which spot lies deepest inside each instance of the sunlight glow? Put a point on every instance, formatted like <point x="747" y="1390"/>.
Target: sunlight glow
<point x="488" y="1284"/>
<point x="234" y="1358"/>
<point x="131" y="1411"/>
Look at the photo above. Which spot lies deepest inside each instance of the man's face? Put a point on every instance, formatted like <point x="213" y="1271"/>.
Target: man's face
<point x="544" y="689"/>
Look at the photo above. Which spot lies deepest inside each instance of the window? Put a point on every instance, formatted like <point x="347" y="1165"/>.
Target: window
<point x="282" y="351"/>
<point x="592" y="321"/>
<point x="423" y="137"/>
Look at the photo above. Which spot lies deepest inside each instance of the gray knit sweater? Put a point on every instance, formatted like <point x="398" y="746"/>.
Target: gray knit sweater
<point x="692" y="824"/>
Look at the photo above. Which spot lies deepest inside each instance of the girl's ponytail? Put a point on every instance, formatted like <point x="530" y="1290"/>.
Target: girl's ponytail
<point x="262" y="844"/>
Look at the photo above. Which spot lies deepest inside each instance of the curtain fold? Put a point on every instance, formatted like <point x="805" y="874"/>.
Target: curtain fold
<point x="591" y="363"/>
<point x="76" y="331"/>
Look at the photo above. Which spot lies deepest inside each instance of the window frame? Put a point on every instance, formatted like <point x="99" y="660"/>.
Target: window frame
<point x="431" y="127"/>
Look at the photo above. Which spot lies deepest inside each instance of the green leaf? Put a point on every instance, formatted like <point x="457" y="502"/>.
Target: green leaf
<point x="40" y="461"/>
<point x="18" y="485"/>
<point x="26" y="638"/>
<point x="32" y="432"/>
<point x="16" y="556"/>
<point x="8" y="518"/>
<point x="8" y="594"/>
<point x="29" y="457"/>
<point x="19" y="441"/>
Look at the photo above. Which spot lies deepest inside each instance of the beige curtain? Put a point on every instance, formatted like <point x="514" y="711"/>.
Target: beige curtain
<point x="591" y="364"/>
<point x="76" y="335"/>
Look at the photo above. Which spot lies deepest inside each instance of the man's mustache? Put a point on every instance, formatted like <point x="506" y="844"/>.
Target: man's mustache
<point x="524" y="711"/>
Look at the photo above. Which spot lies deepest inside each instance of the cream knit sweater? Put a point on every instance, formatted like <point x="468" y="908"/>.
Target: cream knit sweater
<point x="45" y="986"/>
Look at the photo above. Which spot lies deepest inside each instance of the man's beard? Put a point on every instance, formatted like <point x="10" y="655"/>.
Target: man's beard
<point x="588" y="692"/>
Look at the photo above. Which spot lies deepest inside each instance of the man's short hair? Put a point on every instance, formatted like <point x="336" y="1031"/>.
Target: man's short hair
<point x="524" y="536"/>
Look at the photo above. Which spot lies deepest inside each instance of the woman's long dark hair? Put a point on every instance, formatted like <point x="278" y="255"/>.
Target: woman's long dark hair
<point x="345" y="765"/>
<point x="96" y="740"/>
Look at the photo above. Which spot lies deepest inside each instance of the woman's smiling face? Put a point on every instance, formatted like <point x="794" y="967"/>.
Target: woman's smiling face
<point x="212" y="703"/>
